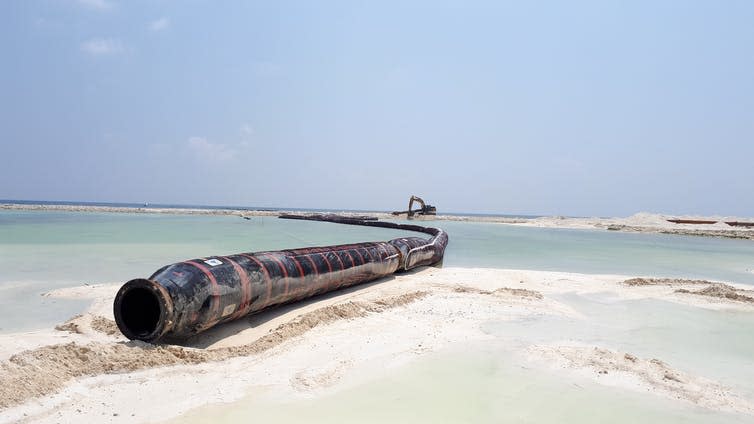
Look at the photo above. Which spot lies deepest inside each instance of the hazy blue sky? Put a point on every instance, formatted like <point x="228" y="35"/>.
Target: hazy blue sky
<point x="573" y="108"/>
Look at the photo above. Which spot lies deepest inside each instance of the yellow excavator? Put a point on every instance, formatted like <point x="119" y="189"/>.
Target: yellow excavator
<point x="424" y="210"/>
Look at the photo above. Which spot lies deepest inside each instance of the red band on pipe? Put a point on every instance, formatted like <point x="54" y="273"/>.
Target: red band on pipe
<point x="316" y="275"/>
<point x="215" y="288"/>
<point x="285" y="272"/>
<point x="302" y="277"/>
<point x="267" y="279"/>
<point x="245" y="288"/>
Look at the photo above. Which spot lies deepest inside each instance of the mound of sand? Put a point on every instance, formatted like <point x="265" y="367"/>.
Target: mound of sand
<point x="714" y="230"/>
<point x="501" y="292"/>
<point x="721" y="291"/>
<point x="86" y="323"/>
<point x="716" y="290"/>
<point x="47" y="369"/>
<point x="72" y="325"/>
<point x="653" y="375"/>
<point x="663" y="282"/>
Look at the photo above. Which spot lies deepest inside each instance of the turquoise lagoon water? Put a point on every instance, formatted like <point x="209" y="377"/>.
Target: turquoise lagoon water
<point x="43" y="250"/>
<point x="482" y="384"/>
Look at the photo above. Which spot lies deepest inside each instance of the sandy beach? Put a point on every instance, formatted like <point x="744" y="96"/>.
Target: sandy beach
<point x="84" y="369"/>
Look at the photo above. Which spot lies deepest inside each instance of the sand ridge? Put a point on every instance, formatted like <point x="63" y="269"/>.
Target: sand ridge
<point x="83" y="323"/>
<point x="502" y="291"/>
<point x="653" y="375"/>
<point x="722" y="291"/>
<point x="711" y="289"/>
<point x="644" y="222"/>
<point x="640" y="281"/>
<point x="46" y="369"/>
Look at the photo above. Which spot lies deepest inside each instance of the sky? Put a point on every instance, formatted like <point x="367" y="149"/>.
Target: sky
<point x="586" y="108"/>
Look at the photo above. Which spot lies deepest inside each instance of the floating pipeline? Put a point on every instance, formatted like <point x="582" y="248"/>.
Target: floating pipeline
<point x="186" y="298"/>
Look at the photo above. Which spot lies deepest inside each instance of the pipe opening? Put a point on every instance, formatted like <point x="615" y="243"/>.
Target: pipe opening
<point x="140" y="312"/>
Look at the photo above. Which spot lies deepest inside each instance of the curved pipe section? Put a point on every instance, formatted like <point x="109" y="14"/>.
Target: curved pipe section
<point x="186" y="298"/>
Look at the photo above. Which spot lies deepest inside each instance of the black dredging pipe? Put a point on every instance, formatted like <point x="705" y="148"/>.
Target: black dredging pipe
<point x="188" y="297"/>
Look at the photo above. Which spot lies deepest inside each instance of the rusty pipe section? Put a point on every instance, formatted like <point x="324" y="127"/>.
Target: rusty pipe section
<point x="188" y="297"/>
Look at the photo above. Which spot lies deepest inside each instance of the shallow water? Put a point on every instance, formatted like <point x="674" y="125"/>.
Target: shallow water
<point x="713" y="343"/>
<point x="599" y="251"/>
<point x="483" y="387"/>
<point x="43" y="250"/>
<point x="491" y="382"/>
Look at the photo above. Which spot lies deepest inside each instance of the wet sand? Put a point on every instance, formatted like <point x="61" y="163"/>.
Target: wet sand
<point x="84" y="369"/>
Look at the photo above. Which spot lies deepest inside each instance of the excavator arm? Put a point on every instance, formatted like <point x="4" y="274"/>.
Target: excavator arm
<point x="424" y="210"/>
<point x="411" y="201"/>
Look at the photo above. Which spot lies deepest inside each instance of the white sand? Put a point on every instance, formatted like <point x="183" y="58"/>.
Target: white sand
<point x="333" y="342"/>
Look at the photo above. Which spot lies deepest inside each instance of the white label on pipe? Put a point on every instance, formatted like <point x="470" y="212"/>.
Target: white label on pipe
<point x="229" y="309"/>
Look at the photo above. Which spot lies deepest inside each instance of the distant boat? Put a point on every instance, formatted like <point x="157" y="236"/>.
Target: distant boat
<point x="691" y="221"/>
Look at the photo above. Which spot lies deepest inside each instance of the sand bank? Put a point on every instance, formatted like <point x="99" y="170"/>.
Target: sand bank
<point x="651" y="223"/>
<point x="174" y="211"/>
<point x="86" y="370"/>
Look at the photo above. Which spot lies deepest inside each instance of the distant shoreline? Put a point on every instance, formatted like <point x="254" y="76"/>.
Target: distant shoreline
<point x="225" y="209"/>
<point x="238" y="211"/>
<point x="638" y="223"/>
